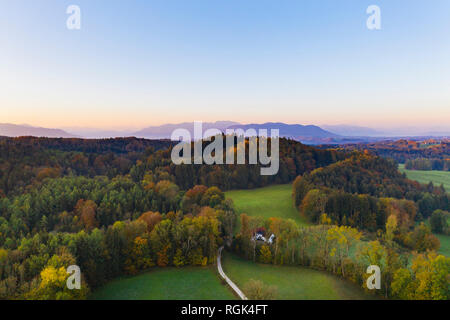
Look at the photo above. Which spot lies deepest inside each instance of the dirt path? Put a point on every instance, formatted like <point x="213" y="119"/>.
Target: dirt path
<point x="224" y="276"/>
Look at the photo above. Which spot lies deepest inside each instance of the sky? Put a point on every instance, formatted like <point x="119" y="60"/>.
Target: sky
<point x="139" y="63"/>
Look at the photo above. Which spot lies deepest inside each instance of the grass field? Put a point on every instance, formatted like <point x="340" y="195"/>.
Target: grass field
<point x="444" y="239"/>
<point x="193" y="283"/>
<point x="292" y="282"/>
<point x="273" y="201"/>
<point x="437" y="177"/>
<point x="445" y="244"/>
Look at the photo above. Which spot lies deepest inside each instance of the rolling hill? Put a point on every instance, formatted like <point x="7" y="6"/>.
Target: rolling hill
<point x="295" y="131"/>
<point x="307" y="134"/>
<point x="14" y="130"/>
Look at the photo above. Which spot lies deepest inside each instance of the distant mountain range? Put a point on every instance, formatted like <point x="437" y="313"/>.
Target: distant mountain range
<point x="95" y="133"/>
<point x="357" y="131"/>
<point x="285" y="130"/>
<point x="165" y="131"/>
<point x="352" y="131"/>
<point x="309" y="134"/>
<point x="294" y="131"/>
<point x="14" y="130"/>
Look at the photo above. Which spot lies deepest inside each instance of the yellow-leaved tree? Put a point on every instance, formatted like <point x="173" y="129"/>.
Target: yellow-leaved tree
<point x="53" y="281"/>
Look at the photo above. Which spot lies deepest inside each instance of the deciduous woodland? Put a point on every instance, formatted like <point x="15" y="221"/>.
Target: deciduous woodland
<point x="120" y="206"/>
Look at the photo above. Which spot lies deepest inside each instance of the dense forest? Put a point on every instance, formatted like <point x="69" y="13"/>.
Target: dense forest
<point x="28" y="160"/>
<point x="116" y="206"/>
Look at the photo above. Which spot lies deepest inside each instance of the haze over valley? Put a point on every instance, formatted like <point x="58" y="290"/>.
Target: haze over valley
<point x="310" y="134"/>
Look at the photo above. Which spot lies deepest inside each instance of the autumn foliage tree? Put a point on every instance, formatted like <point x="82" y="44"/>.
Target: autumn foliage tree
<point x="86" y="209"/>
<point x="151" y="219"/>
<point x="427" y="279"/>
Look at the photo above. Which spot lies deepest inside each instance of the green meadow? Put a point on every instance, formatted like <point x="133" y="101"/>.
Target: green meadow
<point x="445" y="244"/>
<point x="273" y="201"/>
<point x="292" y="282"/>
<point x="193" y="283"/>
<point x="437" y="177"/>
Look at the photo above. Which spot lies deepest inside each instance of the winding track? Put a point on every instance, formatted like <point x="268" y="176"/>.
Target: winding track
<point x="224" y="276"/>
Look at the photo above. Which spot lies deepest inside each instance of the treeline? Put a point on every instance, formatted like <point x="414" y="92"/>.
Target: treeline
<point x="439" y="222"/>
<point x="28" y="160"/>
<point x="428" y="164"/>
<point x="366" y="174"/>
<point x="341" y="251"/>
<point x="403" y="150"/>
<point x="295" y="158"/>
<point x="98" y="146"/>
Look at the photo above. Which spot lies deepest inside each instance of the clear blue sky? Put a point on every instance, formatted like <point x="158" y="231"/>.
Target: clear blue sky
<point x="138" y="63"/>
